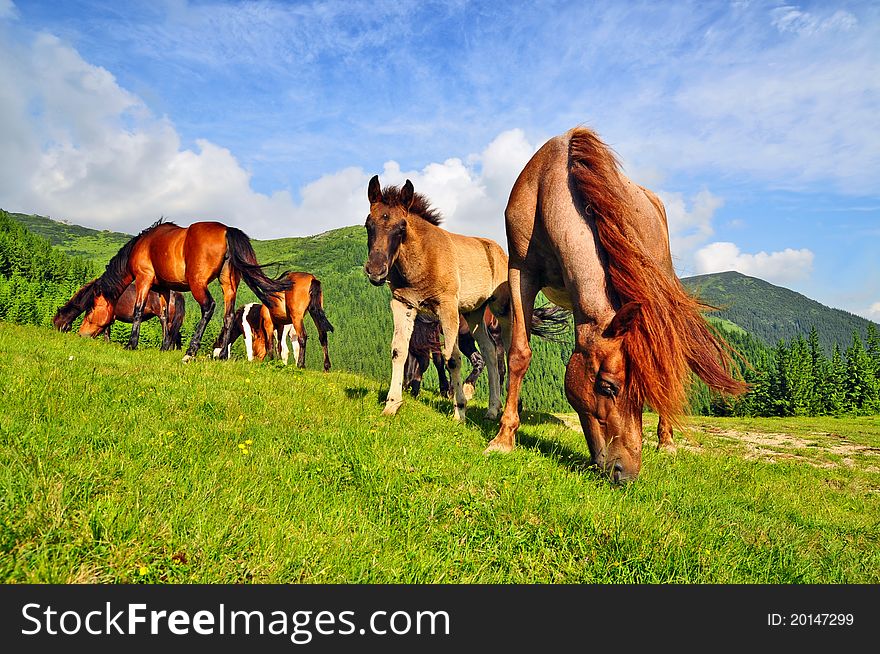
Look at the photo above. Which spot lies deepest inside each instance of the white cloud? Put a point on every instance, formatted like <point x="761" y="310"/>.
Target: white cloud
<point x="792" y="19"/>
<point x="689" y="228"/>
<point x="874" y="312"/>
<point x="784" y="266"/>
<point x="80" y="147"/>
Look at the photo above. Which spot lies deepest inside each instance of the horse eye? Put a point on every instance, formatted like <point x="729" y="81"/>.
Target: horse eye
<point x="384" y="216"/>
<point x="607" y="388"/>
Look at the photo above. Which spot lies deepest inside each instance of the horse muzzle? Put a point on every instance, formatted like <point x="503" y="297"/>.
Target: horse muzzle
<point x="376" y="274"/>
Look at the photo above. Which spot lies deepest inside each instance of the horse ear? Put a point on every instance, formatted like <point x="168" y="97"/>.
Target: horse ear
<point x="406" y="194"/>
<point x="623" y="320"/>
<point x="374" y="191"/>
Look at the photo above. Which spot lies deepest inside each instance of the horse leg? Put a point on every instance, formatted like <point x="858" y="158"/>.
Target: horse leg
<point x="229" y="280"/>
<point x="142" y="289"/>
<point x="468" y="348"/>
<point x="437" y="358"/>
<point x="523" y="291"/>
<point x="322" y="339"/>
<point x="202" y="295"/>
<point x="487" y="346"/>
<point x="299" y="348"/>
<point x="664" y="436"/>
<point x="285" y="351"/>
<point x="165" y="320"/>
<point x="404" y="319"/>
<point x="449" y="319"/>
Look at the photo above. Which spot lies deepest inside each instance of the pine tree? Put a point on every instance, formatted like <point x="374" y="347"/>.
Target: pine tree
<point x="861" y="384"/>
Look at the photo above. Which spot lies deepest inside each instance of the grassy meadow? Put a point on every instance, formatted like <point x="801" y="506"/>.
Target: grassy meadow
<point x="121" y="466"/>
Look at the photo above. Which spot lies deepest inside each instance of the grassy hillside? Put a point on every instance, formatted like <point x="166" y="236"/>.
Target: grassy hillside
<point x="95" y="245"/>
<point x="358" y="311"/>
<point x="772" y="312"/>
<point x="121" y="466"/>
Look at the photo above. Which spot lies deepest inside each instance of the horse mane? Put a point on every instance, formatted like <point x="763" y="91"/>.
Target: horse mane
<point x="70" y="311"/>
<point x="112" y="283"/>
<point x="670" y="337"/>
<point x="420" y="206"/>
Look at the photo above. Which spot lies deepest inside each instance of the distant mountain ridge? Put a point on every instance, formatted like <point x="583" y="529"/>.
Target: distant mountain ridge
<point x="766" y="311"/>
<point x="772" y="312"/>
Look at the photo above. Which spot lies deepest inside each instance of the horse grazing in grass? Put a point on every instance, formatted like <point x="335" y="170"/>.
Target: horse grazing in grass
<point x="598" y="244"/>
<point x="437" y="272"/>
<point x="124" y="311"/>
<point x="168" y="258"/>
<point x="254" y="322"/>
<point x="288" y="310"/>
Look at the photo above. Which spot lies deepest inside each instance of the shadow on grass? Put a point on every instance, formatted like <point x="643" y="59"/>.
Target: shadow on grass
<point x="356" y="393"/>
<point x="563" y="455"/>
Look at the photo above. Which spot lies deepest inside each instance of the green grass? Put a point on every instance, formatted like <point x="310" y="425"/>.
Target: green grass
<point x="131" y="467"/>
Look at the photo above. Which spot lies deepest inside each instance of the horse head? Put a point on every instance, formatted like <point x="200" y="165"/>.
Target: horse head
<point x="609" y="409"/>
<point x="98" y="318"/>
<point x="386" y="229"/>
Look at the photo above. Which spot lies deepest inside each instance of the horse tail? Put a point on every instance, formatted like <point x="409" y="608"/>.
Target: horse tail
<point x="552" y="323"/>
<point x="670" y="337"/>
<point x="316" y="308"/>
<point x="178" y="312"/>
<point x="244" y="261"/>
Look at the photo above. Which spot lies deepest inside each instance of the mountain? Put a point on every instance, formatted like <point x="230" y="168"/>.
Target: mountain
<point x="773" y="312"/>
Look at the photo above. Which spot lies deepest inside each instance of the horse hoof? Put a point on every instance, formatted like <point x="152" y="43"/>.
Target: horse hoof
<point x="187" y="358"/>
<point x="391" y="408"/>
<point x="667" y="448"/>
<point x="492" y="415"/>
<point x="468" y="391"/>
<point x="216" y="353"/>
<point x="498" y="446"/>
<point x="459" y="415"/>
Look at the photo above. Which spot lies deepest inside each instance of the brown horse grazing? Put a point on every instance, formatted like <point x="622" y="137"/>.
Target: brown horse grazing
<point x="166" y="257"/>
<point x="437" y="272"/>
<point x="288" y="310"/>
<point x="597" y="243"/>
<point x="254" y="322"/>
<point x="102" y="313"/>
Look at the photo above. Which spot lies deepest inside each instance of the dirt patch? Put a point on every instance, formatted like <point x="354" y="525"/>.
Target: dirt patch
<point x="770" y="446"/>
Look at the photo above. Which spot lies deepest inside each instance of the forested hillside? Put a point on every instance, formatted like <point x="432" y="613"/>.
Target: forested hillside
<point x="825" y="370"/>
<point x="773" y="313"/>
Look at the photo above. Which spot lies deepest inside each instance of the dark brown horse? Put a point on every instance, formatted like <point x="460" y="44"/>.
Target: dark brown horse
<point x="598" y="244"/>
<point x="288" y="310"/>
<point x="124" y="311"/>
<point x="168" y="258"/>
<point x="424" y="348"/>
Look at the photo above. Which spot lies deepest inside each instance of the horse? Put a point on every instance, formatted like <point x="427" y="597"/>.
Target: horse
<point x="288" y="310"/>
<point x="431" y="270"/>
<point x="424" y="348"/>
<point x="254" y="322"/>
<point x="124" y="311"/>
<point x="168" y="258"/>
<point x="598" y="244"/>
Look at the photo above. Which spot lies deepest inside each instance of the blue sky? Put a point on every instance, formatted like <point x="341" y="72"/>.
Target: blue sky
<point x="758" y="123"/>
